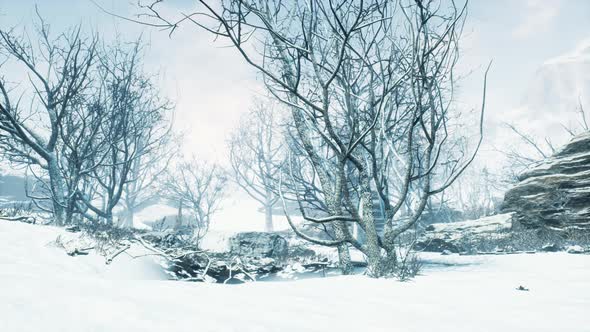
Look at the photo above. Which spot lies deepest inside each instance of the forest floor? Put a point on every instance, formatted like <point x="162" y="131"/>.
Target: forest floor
<point x="42" y="289"/>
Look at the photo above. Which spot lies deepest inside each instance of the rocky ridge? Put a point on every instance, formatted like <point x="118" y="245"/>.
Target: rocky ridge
<point x="555" y="193"/>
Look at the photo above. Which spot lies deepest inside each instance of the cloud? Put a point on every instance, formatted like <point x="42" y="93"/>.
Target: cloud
<point x="580" y="53"/>
<point x="538" y="15"/>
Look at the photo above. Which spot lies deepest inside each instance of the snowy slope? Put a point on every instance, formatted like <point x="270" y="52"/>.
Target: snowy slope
<point x="42" y="289"/>
<point x="28" y="251"/>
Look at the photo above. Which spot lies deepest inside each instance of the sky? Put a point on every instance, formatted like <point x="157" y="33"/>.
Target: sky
<point x="212" y="86"/>
<point x="539" y="48"/>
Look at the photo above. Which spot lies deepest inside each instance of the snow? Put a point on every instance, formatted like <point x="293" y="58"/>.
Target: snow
<point x="481" y="225"/>
<point x="43" y="289"/>
<point x="549" y="178"/>
<point x="29" y="250"/>
<point x="546" y="164"/>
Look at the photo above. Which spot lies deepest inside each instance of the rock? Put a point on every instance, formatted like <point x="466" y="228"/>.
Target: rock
<point x="167" y="239"/>
<point x="259" y="244"/>
<point x="552" y="248"/>
<point x="446" y="252"/>
<point x="221" y="268"/>
<point x="78" y="251"/>
<point x="555" y="193"/>
<point x="575" y="249"/>
<point x="433" y="244"/>
<point x="458" y="237"/>
<point x="73" y="229"/>
<point x="251" y="256"/>
<point x="301" y="253"/>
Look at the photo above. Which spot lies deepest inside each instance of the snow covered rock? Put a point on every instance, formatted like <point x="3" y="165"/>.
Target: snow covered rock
<point x="251" y="256"/>
<point x="553" y="247"/>
<point x="576" y="249"/>
<point x="555" y="193"/>
<point x="301" y="252"/>
<point x="222" y="268"/>
<point x="459" y="236"/>
<point x="259" y="244"/>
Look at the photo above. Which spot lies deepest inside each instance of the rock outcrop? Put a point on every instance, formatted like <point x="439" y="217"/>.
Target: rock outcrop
<point x="464" y="236"/>
<point x="555" y="193"/>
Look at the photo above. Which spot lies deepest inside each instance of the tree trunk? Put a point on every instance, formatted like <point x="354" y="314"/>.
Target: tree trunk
<point x="129" y="215"/>
<point x="389" y="262"/>
<point x="373" y="251"/>
<point x="268" y="226"/>
<point x="109" y="218"/>
<point x="332" y="203"/>
<point x="178" y="223"/>
<point x="69" y="214"/>
<point x="343" y="252"/>
<point x="57" y="191"/>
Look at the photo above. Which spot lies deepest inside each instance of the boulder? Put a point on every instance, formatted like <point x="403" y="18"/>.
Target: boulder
<point x="555" y="193"/>
<point x="259" y="245"/>
<point x="463" y="236"/>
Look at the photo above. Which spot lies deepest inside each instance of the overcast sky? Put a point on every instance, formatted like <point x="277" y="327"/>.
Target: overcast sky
<point x="212" y="85"/>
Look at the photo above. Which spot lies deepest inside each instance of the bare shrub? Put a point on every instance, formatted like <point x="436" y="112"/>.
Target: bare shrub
<point x="521" y="239"/>
<point x="18" y="211"/>
<point x="409" y="266"/>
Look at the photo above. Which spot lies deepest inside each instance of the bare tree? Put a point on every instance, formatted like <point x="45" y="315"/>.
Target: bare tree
<point x="478" y="194"/>
<point x="143" y="188"/>
<point x="199" y="188"/>
<point x="255" y="154"/>
<point x="130" y="135"/>
<point x="59" y="74"/>
<point x="82" y="150"/>
<point x="94" y="127"/>
<point x="531" y="149"/>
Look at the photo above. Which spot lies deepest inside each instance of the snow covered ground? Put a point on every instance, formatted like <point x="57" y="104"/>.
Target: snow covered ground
<point x="42" y="289"/>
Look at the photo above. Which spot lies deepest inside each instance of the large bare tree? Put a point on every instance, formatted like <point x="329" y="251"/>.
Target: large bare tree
<point x="369" y="85"/>
<point x="58" y="74"/>
<point x="132" y="131"/>
<point x="86" y="121"/>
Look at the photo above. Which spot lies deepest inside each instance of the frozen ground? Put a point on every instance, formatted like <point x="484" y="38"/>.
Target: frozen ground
<point x="44" y="290"/>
